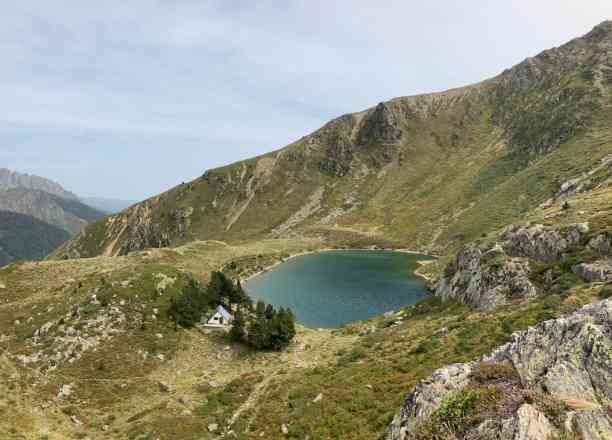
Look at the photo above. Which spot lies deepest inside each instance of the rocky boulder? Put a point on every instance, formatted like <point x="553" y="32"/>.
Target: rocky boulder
<point x="598" y="271"/>
<point x="543" y="243"/>
<point x="485" y="278"/>
<point x="601" y="243"/>
<point x="566" y="360"/>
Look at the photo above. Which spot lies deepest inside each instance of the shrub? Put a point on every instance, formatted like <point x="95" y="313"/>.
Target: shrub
<point x="554" y="410"/>
<point x="459" y="411"/>
<point x="605" y="292"/>
<point x="457" y="406"/>
<point x="426" y="346"/>
<point x="488" y="372"/>
<point x="428" y="306"/>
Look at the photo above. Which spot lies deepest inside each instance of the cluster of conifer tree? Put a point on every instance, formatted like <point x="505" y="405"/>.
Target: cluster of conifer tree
<point x="263" y="328"/>
<point x="195" y="300"/>
<point x="260" y="326"/>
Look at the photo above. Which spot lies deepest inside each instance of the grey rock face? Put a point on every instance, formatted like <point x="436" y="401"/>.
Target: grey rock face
<point x="602" y="244"/>
<point x="486" y="278"/>
<point x="426" y="397"/>
<point x="599" y="271"/>
<point x="590" y="424"/>
<point x="569" y="359"/>
<point x="542" y="243"/>
<point x="379" y="125"/>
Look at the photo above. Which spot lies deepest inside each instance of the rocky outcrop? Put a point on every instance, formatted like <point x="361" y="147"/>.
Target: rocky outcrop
<point x="601" y="243"/>
<point x="566" y="360"/>
<point x="485" y="278"/>
<point x="380" y="125"/>
<point x="598" y="271"/>
<point x="542" y="243"/>
<point x="426" y="397"/>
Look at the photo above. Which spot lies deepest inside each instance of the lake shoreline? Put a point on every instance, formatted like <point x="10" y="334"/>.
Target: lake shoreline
<point x="340" y="285"/>
<point x="317" y="251"/>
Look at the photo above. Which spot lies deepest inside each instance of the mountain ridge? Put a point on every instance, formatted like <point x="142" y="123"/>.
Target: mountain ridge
<point x="13" y="179"/>
<point x="68" y="214"/>
<point x="107" y="205"/>
<point x="414" y="169"/>
<point x="38" y="215"/>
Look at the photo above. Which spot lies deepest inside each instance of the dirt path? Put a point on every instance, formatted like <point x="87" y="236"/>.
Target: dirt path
<point x="314" y="348"/>
<point x="259" y="390"/>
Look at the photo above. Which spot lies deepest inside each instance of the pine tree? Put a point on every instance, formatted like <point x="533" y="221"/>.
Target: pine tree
<point x="189" y="306"/>
<point x="260" y="309"/>
<point x="237" y="332"/>
<point x="221" y="288"/>
<point x="270" y="312"/>
<point x="282" y="329"/>
<point x="241" y="296"/>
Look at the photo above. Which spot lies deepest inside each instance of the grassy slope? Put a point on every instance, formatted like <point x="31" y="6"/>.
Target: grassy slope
<point x="113" y="383"/>
<point x="362" y="370"/>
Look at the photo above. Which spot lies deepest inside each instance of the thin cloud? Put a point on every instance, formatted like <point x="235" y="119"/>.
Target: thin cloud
<point x="183" y="86"/>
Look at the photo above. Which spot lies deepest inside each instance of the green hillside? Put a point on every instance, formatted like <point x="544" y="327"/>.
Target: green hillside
<point x="428" y="171"/>
<point x="25" y="238"/>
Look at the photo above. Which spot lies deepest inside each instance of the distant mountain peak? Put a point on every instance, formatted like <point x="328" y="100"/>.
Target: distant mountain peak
<point x="12" y="179"/>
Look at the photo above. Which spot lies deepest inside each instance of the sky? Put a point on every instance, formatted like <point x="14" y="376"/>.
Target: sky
<point x="125" y="99"/>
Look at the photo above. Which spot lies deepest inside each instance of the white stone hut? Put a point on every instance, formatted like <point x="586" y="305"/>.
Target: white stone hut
<point x="221" y="318"/>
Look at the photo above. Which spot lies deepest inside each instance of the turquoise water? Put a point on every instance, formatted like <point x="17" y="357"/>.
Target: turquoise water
<point x="331" y="288"/>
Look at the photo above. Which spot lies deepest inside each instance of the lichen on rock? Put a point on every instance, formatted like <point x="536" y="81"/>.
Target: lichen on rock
<point x="567" y="360"/>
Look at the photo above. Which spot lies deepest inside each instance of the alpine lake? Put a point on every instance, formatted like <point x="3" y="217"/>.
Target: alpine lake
<point x="330" y="288"/>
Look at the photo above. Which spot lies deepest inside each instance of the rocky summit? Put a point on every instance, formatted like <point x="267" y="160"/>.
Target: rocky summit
<point x="508" y="182"/>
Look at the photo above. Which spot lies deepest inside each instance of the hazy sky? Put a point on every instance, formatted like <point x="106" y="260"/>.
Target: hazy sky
<point x="127" y="98"/>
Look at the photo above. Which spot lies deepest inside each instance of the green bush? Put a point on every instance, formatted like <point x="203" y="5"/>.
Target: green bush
<point x="605" y="292"/>
<point x="487" y="372"/>
<point x="457" y="405"/>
